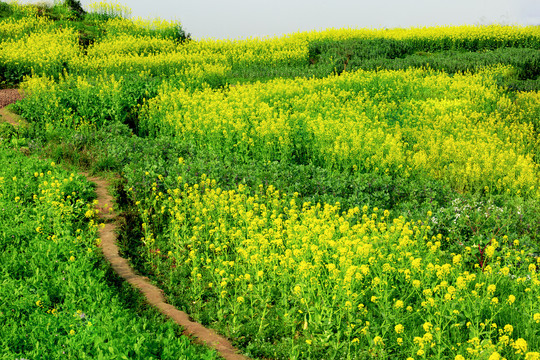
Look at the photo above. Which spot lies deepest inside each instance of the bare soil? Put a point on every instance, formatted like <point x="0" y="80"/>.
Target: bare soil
<point x="9" y="96"/>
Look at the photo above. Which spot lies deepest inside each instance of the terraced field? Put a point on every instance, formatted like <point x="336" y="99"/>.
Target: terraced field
<point x="342" y="194"/>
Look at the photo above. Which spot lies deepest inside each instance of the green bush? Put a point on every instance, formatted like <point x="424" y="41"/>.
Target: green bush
<point x="5" y="10"/>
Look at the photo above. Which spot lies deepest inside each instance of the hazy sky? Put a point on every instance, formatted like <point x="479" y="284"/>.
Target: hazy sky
<point x="244" y="18"/>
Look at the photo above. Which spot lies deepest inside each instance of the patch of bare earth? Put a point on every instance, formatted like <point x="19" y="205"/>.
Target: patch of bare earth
<point x="9" y="96"/>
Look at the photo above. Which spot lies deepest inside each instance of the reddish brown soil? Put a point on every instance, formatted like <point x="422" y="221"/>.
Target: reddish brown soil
<point x="153" y="295"/>
<point x="9" y="96"/>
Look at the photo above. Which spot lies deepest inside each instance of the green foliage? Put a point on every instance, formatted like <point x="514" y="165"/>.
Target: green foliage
<point x="58" y="299"/>
<point x="5" y="10"/>
<point x="92" y="102"/>
<point x="337" y="56"/>
<point x="525" y="61"/>
<point x="76" y="7"/>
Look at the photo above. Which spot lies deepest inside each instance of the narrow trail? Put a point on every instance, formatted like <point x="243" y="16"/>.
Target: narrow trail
<point x="154" y="295"/>
<point x="9" y="117"/>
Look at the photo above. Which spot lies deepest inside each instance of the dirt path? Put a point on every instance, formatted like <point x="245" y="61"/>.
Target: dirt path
<point x="153" y="295"/>
<point x="11" y="118"/>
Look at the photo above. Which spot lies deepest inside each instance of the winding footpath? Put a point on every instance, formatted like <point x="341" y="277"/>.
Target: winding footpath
<point x="154" y="296"/>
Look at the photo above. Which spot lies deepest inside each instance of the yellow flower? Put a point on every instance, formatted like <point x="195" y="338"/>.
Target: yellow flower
<point x="427" y="326"/>
<point x="494" y="356"/>
<point x="520" y="345"/>
<point x="532" y="356"/>
<point x="377" y="340"/>
<point x="511" y="299"/>
<point x="399" y="304"/>
<point x="536" y="317"/>
<point x="399" y="328"/>
<point x="508" y="329"/>
<point x="459" y="357"/>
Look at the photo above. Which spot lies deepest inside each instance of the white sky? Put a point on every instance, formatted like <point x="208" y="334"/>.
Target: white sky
<point x="244" y="18"/>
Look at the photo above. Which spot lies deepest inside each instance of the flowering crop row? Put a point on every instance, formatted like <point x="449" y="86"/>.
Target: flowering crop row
<point x="16" y="29"/>
<point x="462" y="129"/>
<point x="317" y="281"/>
<point x="439" y="38"/>
<point x="44" y="52"/>
<point x="127" y="39"/>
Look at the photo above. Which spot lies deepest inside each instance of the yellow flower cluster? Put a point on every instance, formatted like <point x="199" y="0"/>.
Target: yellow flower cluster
<point x="327" y="271"/>
<point x="459" y="128"/>
<point x="155" y="27"/>
<point x="42" y="52"/>
<point x="131" y="45"/>
<point x="252" y="52"/>
<point x="132" y="53"/>
<point x="165" y="64"/>
<point x="441" y="37"/>
<point x="109" y="8"/>
<point x="16" y="29"/>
